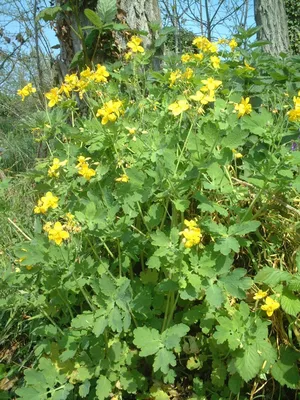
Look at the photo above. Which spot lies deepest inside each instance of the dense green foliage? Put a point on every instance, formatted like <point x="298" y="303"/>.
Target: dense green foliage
<point x="163" y="259"/>
<point x="293" y="14"/>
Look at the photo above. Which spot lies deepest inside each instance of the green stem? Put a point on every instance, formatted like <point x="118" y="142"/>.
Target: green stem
<point x="166" y="313"/>
<point x="172" y="309"/>
<point x="119" y="258"/>
<point x="183" y="148"/>
<point x="165" y="215"/>
<point x="143" y="219"/>
<point x="84" y="293"/>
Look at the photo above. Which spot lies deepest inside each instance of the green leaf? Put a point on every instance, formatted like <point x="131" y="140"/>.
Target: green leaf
<point x="235" y="383"/>
<point x="77" y="59"/>
<point x="49" y="13"/>
<point x="290" y="303"/>
<point x="259" y="43"/>
<point x="160" y="239"/>
<point x="84" y="389"/>
<point x="285" y="370"/>
<point x="249" y="362"/>
<point x="154" y="263"/>
<point x="256" y="123"/>
<point x="243" y="228"/>
<point x="219" y="373"/>
<point x="172" y="336"/>
<point x="234" y="138"/>
<point x="148" y="340"/>
<point x="181" y="205"/>
<point x="120" y="27"/>
<point x="225" y="245"/>
<point x="236" y="284"/>
<point x="162" y="360"/>
<point x="271" y="276"/>
<point x="100" y="325"/>
<point x="93" y="17"/>
<point x="29" y="393"/>
<point x="115" y="320"/>
<point x="107" y="10"/>
<point x="214" y="296"/>
<point x="103" y="388"/>
<point x="83" y="321"/>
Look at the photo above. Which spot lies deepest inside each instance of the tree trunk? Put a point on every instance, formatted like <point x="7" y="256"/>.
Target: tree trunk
<point x="137" y="14"/>
<point x="271" y="15"/>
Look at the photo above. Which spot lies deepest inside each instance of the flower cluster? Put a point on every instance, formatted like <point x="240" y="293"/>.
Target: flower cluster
<point x="244" y="107"/>
<point x="203" y="44"/>
<point x="232" y="43"/>
<point x="110" y="111"/>
<point x="178" y="75"/>
<point x="205" y="95"/>
<point x="185" y="58"/>
<point x="84" y="169"/>
<point x="46" y="202"/>
<point x="26" y="91"/>
<point x="74" y="84"/>
<point x="294" y="114"/>
<point x="53" y="170"/>
<point x="191" y="234"/>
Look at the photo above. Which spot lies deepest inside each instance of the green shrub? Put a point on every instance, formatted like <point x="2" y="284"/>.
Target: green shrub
<point x="165" y="251"/>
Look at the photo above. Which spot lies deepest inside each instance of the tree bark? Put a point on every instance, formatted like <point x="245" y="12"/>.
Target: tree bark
<point x="271" y="15"/>
<point x="137" y="14"/>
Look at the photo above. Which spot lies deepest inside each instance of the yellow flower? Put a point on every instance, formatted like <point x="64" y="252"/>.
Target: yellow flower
<point x="186" y="58"/>
<point x="128" y="55"/>
<point x="233" y="44"/>
<point x="84" y="169"/>
<point x="122" y="178"/>
<point x="203" y="98"/>
<point x="202" y="43"/>
<point x="26" y="91"/>
<point x="46" y="202"/>
<point x="192" y="234"/>
<point x="174" y="76"/>
<point x="132" y="131"/>
<point x="260" y="295"/>
<point x="81" y="86"/>
<point x="294" y="115"/>
<point x="66" y="89"/>
<point x="211" y="83"/>
<point x="71" y="80"/>
<point x="100" y="74"/>
<point x="244" y="107"/>
<point x="110" y="111"/>
<point x="57" y="233"/>
<point x="179" y="107"/>
<point x="53" y="169"/>
<point x="86" y="172"/>
<point x="270" y="306"/>
<point x="86" y="73"/>
<point x="53" y="96"/>
<point x="248" y="67"/>
<point x="134" y="45"/>
<point x="198" y="57"/>
<point x="215" y="61"/>
<point x="188" y="73"/>
<point x="237" y="154"/>
<point x="47" y="226"/>
<point x="296" y="101"/>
